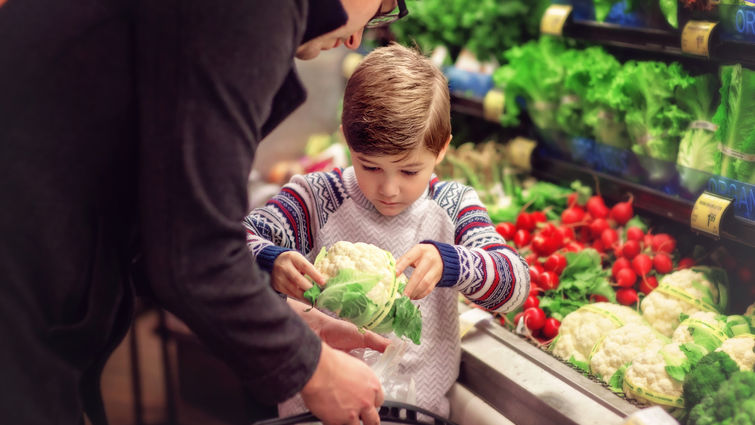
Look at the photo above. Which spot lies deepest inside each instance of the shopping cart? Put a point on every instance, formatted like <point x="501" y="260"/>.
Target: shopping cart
<point x="390" y="411"/>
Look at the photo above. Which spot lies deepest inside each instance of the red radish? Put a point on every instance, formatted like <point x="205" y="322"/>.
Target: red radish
<point x="630" y="249"/>
<point x="545" y="245"/>
<point x="548" y="229"/>
<point x="597" y="245"/>
<point x="550" y="328"/>
<point x="609" y="237"/>
<point x="548" y="280"/>
<point x="662" y="263"/>
<point x="626" y="296"/>
<point x="597" y="227"/>
<point x="626" y="278"/>
<point x="506" y="230"/>
<point x="647" y="240"/>
<point x="597" y="207"/>
<point x="572" y="199"/>
<point x="663" y="242"/>
<point x="535" y="271"/>
<point x="597" y="298"/>
<point x="572" y="215"/>
<point x="685" y="263"/>
<point x="524" y="221"/>
<point x="642" y="264"/>
<point x="555" y="263"/>
<point x="567" y="233"/>
<point x="574" y="247"/>
<point x="522" y="237"/>
<point x="538" y="217"/>
<point x="534" y="318"/>
<point x="534" y="289"/>
<point x="648" y="284"/>
<point x="635" y="234"/>
<point x="502" y="320"/>
<point x="623" y="211"/>
<point x="531" y="258"/>
<point x="518" y="317"/>
<point x="620" y="263"/>
<point x="531" y="301"/>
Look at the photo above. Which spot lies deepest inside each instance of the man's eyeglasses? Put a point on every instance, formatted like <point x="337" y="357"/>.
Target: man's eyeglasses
<point x="389" y="18"/>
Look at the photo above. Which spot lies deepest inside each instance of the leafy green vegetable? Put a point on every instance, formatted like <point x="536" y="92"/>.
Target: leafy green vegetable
<point x="646" y="90"/>
<point x="698" y="149"/>
<point x="733" y="402"/>
<point x="736" y="123"/>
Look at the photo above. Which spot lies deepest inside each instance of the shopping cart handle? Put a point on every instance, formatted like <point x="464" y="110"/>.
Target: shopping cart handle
<point x="390" y="411"/>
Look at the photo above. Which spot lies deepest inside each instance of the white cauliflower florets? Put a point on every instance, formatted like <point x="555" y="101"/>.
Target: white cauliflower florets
<point x="662" y="308"/>
<point x="581" y="329"/>
<point x="704" y="328"/>
<point x="621" y="346"/>
<point x="741" y="349"/>
<point x="646" y="379"/>
<point x="363" y="257"/>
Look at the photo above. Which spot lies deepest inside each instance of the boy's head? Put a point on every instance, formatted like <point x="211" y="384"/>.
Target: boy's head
<point x="395" y="101"/>
<point x="396" y="121"/>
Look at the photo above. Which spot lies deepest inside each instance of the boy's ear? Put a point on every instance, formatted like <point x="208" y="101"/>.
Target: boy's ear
<point x="442" y="153"/>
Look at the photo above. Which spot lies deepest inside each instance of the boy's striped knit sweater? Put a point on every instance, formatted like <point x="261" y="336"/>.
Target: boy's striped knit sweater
<point x="319" y="209"/>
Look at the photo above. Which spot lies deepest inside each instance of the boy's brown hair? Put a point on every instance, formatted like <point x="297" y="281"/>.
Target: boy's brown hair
<point x="396" y="100"/>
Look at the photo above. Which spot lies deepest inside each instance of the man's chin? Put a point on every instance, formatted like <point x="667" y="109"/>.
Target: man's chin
<point x="307" y="53"/>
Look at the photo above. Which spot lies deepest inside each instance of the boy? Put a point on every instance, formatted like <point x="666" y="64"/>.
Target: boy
<point x="396" y="121"/>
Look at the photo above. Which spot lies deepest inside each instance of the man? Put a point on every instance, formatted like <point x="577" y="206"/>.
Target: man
<point x="127" y="130"/>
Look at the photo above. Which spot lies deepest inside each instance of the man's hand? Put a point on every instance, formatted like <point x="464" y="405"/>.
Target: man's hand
<point x="428" y="269"/>
<point x="338" y="334"/>
<point x="343" y="390"/>
<point x="289" y="274"/>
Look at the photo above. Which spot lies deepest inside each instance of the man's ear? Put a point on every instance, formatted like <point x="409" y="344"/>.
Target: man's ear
<point x="442" y="153"/>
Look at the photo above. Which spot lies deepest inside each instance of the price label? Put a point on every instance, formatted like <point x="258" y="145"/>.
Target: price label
<point x="493" y="105"/>
<point x="707" y="213"/>
<point x="554" y="19"/>
<point x="519" y="152"/>
<point x="696" y="37"/>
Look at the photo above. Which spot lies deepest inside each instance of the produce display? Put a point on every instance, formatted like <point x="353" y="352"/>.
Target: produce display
<point x="362" y="288"/>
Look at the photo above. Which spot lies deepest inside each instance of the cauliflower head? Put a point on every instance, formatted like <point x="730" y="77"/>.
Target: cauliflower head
<point x="365" y="258"/>
<point x="582" y="328"/>
<point x="362" y="287"/>
<point x="648" y="381"/>
<point x="621" y="346"/>
<point x="684" y="291"/>
<point x="741" y="349"/>
<point x="704" y="328"/>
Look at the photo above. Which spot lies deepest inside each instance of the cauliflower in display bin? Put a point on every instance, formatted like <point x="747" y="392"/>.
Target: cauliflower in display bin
<point x="621" y="346"/>
<point x="581" y="329"/>
<point x="704" y="328"/>
<point x="741" y="349"/>
<point x="657" y="377"/>
<point x="685" y="291"/>
<point x="362" y="288"/>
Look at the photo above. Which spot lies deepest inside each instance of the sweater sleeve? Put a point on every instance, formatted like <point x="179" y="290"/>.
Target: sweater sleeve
<point x="283" y="224"/>
<point x="479" y="263"/>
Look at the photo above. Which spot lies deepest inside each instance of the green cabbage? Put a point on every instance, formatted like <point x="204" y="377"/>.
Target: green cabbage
<point x="736" y="123"/>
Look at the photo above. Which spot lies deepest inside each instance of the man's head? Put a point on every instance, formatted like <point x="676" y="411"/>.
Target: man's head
<point x="361" y="13"/>
<point x="397" y="122"/>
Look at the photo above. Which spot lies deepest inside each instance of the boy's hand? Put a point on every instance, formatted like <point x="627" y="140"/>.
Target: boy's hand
<point x="428" y="269"/>
<point x="289" y="275"/>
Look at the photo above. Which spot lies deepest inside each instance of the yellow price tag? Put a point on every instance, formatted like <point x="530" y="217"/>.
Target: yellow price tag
<point x="519" y="152"/>
<point x="493" y="104"/>
<point x="554" y="19"/>
<point x="696" y="37"/>
<point x="707" y="213"/>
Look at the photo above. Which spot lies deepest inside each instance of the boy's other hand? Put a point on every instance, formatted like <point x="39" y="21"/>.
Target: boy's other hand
<point x="289" y="275"/>
<point x="428" y="269"/>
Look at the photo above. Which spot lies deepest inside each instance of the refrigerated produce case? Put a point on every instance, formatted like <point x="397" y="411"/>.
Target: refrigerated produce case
<point x="522" y="381"/>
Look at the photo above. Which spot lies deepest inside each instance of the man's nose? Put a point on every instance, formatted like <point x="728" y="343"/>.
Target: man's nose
<point x="354" y="40"/>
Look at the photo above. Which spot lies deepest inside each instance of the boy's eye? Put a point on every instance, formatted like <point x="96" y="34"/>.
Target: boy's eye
<point x="410" y="173"/>
<point x="366" y="168"/>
